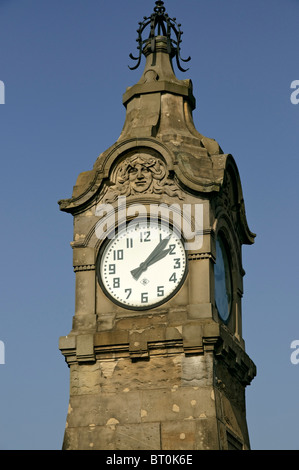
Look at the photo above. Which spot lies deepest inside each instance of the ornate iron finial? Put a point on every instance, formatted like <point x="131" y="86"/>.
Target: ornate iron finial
<point x="160" y="25"/>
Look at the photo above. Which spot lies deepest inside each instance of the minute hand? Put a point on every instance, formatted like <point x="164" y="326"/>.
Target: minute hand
<point x="155" y="256"/>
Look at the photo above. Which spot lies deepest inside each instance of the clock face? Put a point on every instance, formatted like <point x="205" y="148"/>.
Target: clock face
<point x="223" y="285"/>
<point x="143" y="266"/>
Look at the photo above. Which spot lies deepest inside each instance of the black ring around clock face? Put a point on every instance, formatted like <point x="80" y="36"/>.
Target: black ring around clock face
<point x="143" y="265"/>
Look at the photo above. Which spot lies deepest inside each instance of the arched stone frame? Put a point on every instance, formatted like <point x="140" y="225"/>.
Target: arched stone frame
<point x="107" y="160"/>
<point x="113" y="166"/>
<point x="238" y="206"/>
<point x="224" y="228"/>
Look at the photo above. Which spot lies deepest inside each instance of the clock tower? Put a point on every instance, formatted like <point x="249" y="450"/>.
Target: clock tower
<point x="156" y="353"/>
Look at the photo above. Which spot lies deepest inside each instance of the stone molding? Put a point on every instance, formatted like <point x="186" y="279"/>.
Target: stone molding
<point x="84" y="267"/>
<point x="196" y="338"/>
<point x="196" y="256"/>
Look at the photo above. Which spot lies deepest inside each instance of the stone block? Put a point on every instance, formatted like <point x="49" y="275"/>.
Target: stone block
<point x="197" y="371"/>
<point x="83" y="256"/>
<point x="85" y="379"/>
<point x="177" y="403"/>
<point x="200" y="310"/>
<point x="67" y="342"/>
<point x="145" y="436"/>
<point x="192" y="334"/>
<point x="85" y="347"/>
<point x="178" y="435"/>
<point x="100" y="409"/>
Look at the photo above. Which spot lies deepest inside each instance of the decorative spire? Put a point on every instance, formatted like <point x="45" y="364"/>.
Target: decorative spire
<point x="160" y="25"/>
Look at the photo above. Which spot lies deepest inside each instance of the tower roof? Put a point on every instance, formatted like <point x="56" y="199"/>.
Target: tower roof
<point x="159" y="118"/>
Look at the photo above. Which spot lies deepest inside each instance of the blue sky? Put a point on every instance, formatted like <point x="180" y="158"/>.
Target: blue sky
<point x="64" y="64"/>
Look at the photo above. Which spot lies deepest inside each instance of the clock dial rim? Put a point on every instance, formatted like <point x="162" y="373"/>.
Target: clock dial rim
<point x="102" y="250"/>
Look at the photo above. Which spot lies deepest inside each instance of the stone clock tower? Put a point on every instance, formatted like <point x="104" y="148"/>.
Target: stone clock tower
<point x="156" y="353"/>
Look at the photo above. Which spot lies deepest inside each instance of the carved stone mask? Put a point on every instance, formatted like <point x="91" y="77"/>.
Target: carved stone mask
<point x="141" y="173"/>
<point x="140" y="170"/>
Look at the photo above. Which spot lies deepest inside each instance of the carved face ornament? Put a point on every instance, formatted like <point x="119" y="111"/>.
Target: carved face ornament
<point x="142" y="170"/>
<point x="142" y="173"/>
<point x="140" y="177"/>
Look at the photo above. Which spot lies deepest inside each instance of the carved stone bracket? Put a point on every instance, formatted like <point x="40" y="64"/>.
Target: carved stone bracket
<point x="235" y="358"/>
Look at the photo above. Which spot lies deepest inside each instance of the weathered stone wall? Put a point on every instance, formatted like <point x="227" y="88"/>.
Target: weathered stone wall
<point x="166" y="402"/>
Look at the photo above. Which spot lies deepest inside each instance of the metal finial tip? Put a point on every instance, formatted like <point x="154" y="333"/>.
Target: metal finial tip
<point x="160" y="24"/>
<point x="159" y="8"/>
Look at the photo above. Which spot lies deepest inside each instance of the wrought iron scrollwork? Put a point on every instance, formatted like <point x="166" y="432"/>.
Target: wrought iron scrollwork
<point x="160" y="25"/>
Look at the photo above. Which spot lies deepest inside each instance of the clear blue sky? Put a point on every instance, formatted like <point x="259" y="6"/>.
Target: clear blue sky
<point x="64" y="64"/>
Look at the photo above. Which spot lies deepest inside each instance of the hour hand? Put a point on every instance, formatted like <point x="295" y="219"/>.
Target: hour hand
<point x="136" y="273"/>
<point x="157" y="254"/>
<point x="157" y="257"/>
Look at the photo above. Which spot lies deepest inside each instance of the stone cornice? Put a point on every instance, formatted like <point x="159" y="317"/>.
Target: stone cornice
<point x="233" y="355"/>
<point x="197" y="337"/>
<point x="162" y="86"/>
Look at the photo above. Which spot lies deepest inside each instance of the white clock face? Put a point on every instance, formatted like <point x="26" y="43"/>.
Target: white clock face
<point x="143" y="266"/>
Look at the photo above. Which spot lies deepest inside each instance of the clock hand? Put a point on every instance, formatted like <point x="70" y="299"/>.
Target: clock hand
<point x="155" y="256"/>
<point x="161" y="245"/>
<point x="158" y="257"/>
<point x="136" y="273"/>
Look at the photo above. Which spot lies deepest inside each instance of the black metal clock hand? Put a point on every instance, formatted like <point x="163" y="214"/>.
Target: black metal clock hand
<point x="157" y="254"/>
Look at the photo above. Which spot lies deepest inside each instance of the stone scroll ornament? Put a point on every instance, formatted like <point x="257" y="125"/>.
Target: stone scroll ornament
<point x="142" y="173"/>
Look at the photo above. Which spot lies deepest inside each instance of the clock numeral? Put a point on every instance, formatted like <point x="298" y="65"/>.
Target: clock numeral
<point x="144" y="297"/>
<point x="177" y="263"/>
<point x="118" y="254"/>
<point x="129" y="292"/>
<point x="129" y="242"/>
<point x="111" y="268"/>
<point x="173" y="278"/>
<point x="160" y="291"/>
<point x="145" y="236"/>
<point x="116" y="282"/>
<point x="172" y="248"/>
